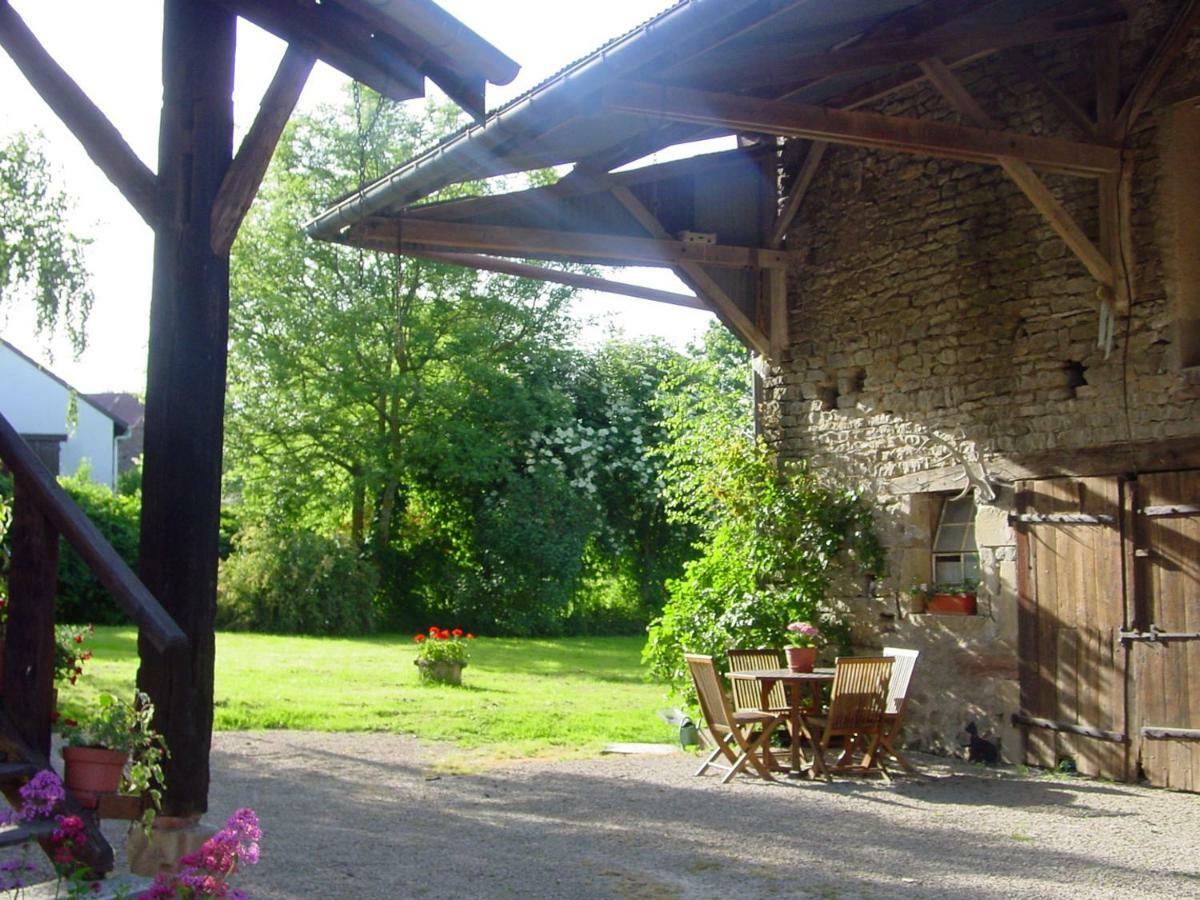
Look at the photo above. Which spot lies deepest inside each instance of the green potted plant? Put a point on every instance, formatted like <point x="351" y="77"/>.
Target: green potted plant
<point x="115" y="750"/>
<point x="953" y="599"/>
<point x="442" y="654"/>
<point x="803" y="639"/>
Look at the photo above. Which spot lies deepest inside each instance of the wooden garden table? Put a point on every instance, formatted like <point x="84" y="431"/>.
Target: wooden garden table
<point x="794" y="684"/>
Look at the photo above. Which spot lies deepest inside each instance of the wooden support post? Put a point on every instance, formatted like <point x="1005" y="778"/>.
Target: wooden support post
<point x="189" y="324"/>
<point x="32" y="583"/>
<point x="777" y="312"/>
<point x="1023" y="175"/>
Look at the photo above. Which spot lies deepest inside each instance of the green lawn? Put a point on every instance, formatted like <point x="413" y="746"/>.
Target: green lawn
<point x="519" y="697"/>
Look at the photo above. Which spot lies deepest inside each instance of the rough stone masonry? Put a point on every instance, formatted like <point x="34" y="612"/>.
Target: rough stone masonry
<point x="940" y="330"/>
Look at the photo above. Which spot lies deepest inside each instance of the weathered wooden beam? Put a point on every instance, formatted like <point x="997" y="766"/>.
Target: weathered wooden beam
<point x="722" y="304"/>
<point x="1115" y="228"/>
<point x="861" y="129"/>
<point x="753" y="68"/>
<point x="339" y="38"/>
<point x="185" y="389"/>
<point x="558" y="276"/>
<point x="246" y="171"/>
<point x="1039" y="195"/>
<point x="99" y="137"/>
<point x="1065" y="102"/>
<point x="399" y="234"/>
<point x="1168" y="49"/>
<point x="777" y="312"/>
<point x="795" y="197"/>
<point x="1115" y="737"/>
<point x="1164" y="733"/>
<point x="1061" y="519"/>
<point x="1182" y="509"/>
<point x="32" y="584"/>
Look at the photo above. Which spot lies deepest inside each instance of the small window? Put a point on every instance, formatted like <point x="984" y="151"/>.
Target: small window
<point x="955" y="555"/>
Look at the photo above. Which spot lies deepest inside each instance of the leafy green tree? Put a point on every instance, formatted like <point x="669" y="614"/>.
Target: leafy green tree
<point x="395" y="399"/>
<point x="41" y="259"/>
<point x="772" y="534"/>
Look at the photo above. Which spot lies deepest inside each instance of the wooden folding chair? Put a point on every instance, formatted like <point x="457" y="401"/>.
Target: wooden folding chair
<point x="746" y="694"/>
<point x="856" y="707"/>
<point x="897" y="700"/>
<point x="729" y="728"/>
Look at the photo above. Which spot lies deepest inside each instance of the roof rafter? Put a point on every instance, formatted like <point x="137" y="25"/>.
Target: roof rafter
<point x="558" y="276"/>
<point x="398" y="234"/>
<point x="897" y="133"/>
<point x="1039" y="195"/>
<point x="749" y="70"/>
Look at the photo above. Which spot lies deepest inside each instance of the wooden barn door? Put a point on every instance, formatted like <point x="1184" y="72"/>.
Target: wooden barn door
<point x="1070" y="586"/>
<point x="1166" y="669"/>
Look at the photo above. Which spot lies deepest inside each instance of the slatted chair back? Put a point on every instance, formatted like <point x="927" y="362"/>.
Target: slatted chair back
<point x="748" y="694"/>
<point x="714" y="705"/>
<point x="902" y="669"/>
<point x="859" y="694"/>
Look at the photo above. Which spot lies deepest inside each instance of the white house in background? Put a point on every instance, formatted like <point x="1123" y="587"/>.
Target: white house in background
<point x="37" y="403"/>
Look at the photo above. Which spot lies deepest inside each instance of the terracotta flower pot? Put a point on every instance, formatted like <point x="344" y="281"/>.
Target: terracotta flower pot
<point x="92" y="771"/>
<point x="801" y="659"/>
<point x="952" y="604"/>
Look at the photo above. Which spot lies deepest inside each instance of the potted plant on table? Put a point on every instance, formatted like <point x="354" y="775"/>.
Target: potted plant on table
<point x="442" y="654"/>
<point x="115" y="750"/>
<point x="804" y="639"/>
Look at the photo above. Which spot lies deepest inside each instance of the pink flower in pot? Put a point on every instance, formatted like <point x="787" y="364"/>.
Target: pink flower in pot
<point x="804" y="638"/>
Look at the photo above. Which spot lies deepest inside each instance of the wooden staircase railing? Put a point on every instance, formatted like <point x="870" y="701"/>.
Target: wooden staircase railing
<point x="42" y="512"/>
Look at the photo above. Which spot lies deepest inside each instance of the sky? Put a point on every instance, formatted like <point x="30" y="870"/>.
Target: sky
<point x="112" y="49"/>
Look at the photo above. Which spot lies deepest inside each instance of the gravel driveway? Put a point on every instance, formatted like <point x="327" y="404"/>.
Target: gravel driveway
<point x="360" y="815"/>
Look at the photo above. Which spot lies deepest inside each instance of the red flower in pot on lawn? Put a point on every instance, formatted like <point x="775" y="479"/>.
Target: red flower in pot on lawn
<point x="442" y="654"/>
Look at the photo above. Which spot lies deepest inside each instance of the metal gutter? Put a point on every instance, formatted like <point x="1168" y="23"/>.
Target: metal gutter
<point x="524" y="118"/>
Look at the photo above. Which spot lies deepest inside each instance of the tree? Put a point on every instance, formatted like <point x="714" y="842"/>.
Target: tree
<point x="396" y="399"/>
<point x="41" y="259"/>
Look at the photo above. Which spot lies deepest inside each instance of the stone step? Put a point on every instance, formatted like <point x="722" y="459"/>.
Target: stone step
<point x="14" y="835"/>
<point x="17" y="772"/>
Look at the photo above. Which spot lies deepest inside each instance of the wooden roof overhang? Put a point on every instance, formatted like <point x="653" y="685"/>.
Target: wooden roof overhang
<point x="764" y="70"/>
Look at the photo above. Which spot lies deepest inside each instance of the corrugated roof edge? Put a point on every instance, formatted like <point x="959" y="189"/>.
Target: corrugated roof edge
<point x="620" y="52"/>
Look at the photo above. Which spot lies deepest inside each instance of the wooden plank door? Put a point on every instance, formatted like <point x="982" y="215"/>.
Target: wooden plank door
<point x="1071" y="593"/>
<point x="1167" y="673"/>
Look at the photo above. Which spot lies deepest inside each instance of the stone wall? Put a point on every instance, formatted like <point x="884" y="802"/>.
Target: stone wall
<point x="941" y="330"/>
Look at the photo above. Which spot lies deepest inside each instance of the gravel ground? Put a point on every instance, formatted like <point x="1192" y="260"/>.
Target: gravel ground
<point x="364" y="816"/>
<point x="355" y="815"/>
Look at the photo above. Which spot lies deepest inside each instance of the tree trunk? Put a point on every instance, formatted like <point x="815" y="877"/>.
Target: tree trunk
<point x="185" y="393"/>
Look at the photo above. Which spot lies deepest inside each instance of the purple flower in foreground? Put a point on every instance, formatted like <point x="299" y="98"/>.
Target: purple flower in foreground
<point x="40" y="795"/>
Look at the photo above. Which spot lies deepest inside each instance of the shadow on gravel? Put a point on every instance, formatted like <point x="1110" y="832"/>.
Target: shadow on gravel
<point x="364" y="820"/>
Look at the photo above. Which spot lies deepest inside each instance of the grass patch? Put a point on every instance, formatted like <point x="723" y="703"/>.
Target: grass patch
<point x="520" y="698"/>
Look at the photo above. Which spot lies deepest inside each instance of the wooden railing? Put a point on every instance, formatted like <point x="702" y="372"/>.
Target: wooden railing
<point x="41" y="513"/>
